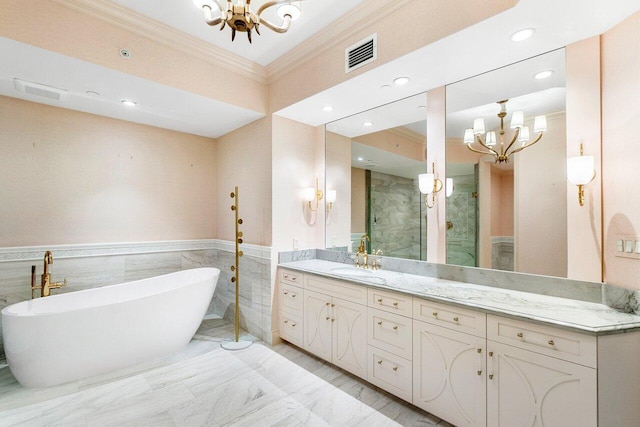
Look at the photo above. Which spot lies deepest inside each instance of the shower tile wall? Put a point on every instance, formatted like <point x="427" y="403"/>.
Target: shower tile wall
<point x="395" y="216"/>
<point x="461" y="218"/>
<point x="96" y="271"/>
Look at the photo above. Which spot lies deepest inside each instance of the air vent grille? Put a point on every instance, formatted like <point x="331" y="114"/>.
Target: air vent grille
<point x="361" y="53"/>
<point x="39" y="89"/>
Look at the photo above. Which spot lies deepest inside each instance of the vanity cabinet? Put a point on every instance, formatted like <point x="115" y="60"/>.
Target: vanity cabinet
<point x="449" y="374"/>
<point x="291" y="300"/>
<point x="335" y="328"/>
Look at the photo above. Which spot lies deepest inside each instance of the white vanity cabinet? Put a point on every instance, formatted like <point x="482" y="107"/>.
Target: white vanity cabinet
<point x="449" y="363"/>
<point x="540" y="376"/>
<point x="335" y="327"/>
<point x="291" y="300"/>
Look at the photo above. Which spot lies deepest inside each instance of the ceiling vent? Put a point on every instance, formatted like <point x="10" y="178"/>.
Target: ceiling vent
<point x="39" y="90"/>
<point x="361" y="53"/>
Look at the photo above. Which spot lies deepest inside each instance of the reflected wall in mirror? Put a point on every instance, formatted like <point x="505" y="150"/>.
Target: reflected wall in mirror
<point x="373" y="161"/>
<point x="509" y="214"/>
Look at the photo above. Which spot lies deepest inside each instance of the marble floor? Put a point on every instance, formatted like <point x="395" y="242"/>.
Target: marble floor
<point x="205" y="385"/>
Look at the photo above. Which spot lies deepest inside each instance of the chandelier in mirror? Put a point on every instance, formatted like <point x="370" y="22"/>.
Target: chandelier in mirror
<point x="521" y="135"/>
<point x="237" y="14"/>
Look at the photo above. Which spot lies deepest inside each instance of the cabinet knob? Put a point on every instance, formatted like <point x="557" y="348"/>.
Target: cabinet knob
<point x="286" y="321"/>
<point x="286" y="276"/>
<point x="379" y="362"/>
<point x="479" y="350"/>
<point x="491" y="354"/>
<point x="333" y="320"/>
<point x="395" y="328"/>
<point x="333" y="305"/>
<point x="395" y="304"/>
<point x="520" y="335"/>
<point x="327" y="304"/>
<point x="434" y="314"/>
<point x="293" y="295"/>
<point x="293" y="278"/>
<point x="293" y="325"/>
<point x="490" y="376"/>
<point x="380" y="300"/>
<point x="551" y="342"/>
<point x="395" y="368"/>
<point x="479" y="373"/>
<point x="455" y="319"/>
<point x="380" y="323"/>
<point x="327" y="318"/>
<point x="286" y="293"/>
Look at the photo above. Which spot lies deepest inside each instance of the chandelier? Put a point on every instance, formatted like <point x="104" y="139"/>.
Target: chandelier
<point x="520" y="135"/>
<point x="239" y="17"/>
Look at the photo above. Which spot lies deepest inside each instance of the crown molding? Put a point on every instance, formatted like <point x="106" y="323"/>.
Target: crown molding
<point x="366" y="14"/>
<point x="161" y="33"/>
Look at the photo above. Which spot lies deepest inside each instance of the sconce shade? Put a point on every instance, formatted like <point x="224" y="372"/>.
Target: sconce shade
<point x="517" y="119"/>
<point x="426" y="182"/>
<point x="478" y="126"/>
<point x="331" y="196"/>
<point x="448" y="186"/>
<point x="524" y="135"/>
<point x="468" y="136"/>
<point x="292" y="9"/>
<point x="540" y="124"/>
<point x="309" y="194"/>
<point x="491" y="139"/>
<point x="580" y="170"/>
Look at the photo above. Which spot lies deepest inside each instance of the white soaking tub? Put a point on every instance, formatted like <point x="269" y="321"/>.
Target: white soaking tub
<point x="62" y="338"/>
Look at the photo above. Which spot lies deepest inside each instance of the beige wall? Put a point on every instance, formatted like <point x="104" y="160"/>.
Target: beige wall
<point x="620" y="148"/>
<point x="358" y="201"/>
<point x="244" y="160"/>
<point x="338" y="173"/>
<point x="501" y="202"/>
<point x="71" y="178"/>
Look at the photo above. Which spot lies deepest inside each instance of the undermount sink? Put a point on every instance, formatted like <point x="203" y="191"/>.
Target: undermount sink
<point x="358" y="273"/>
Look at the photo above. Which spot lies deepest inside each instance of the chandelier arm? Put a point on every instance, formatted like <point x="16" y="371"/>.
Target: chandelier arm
<point x="478" y="151"/>
<point x="270" y="3"/>
<point x="273" y="27"/>
<point x="208" y="17"/>
<point x="513" y="140"/>
<point x="491" y="150"/>
<point x="528" y="145"/>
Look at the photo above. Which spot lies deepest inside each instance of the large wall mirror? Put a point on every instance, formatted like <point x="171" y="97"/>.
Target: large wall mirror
<point x="509" y="215"/>
<point x="373" y="161"/>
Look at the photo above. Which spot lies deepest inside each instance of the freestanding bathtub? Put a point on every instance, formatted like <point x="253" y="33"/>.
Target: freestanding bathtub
<point x="66" y="337"/>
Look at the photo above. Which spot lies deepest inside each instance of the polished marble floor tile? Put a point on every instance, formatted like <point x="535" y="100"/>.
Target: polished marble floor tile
<point x="205" y="385"/>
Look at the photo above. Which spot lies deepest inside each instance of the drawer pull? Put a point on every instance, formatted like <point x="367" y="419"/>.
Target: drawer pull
<point x="286" y="293"/>
<point x="293" y="278"/>
<point x="333" y="320"/>
<point x="395" y="368"/>
<point x="327" y="304"/>
<point x="479" y="350"/>
<point x="379" y="362"/>
<point x="380" y="323"/>
<point x="380" y="300"/>
<point x="293" y="295"/>
<point x="491" y="354"/>
<point x="551" y="342"/>
<point x="327" y="318"/>
<point x="490" y="376"/>
<point x="520" y="335"/>
<point x="293" y="325"/>
<point x="286" y="321"/>
<point x="455" y="319"/>
<point x="395" y="328"/>
<point x="395" y="304"/>
<point x="434" y="314"/>
<point x="333" y="305"/>
<point x="479" y="373"/>
<point x="286" y="276"/>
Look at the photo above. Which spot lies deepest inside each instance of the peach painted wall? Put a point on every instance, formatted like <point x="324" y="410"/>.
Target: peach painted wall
<point x="244" y="160"/>
<point x="620" y="148"/>
<point x="326" y="69"/>
<point x="295" y="167"/>
<point x="541" y="202"/>
<point x="501" y="202"/>
<point x="52" y="26"/>
<point x="485" y="206"/>
<point x="71" y="178"/>
<point x="410" y="145"/>
<point x="358" y="201"/>
<point x="338" y="173"/>
<point x="584" y="223"/>
<point x="436" y="152"/>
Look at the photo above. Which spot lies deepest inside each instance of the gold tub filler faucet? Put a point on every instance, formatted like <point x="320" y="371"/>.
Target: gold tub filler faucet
<point x="45" y="281"/>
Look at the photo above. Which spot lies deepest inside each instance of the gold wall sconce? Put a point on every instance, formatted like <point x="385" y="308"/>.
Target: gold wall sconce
<point x="331" y="198"/>
<point x="312" y="196"/>
<point x="580" y="172"/>
<point x="429" y="185"/>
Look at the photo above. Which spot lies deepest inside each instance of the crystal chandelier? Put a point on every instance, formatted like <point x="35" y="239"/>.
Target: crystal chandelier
<point x="239" y="17"/>
<point x="520" y="135"/>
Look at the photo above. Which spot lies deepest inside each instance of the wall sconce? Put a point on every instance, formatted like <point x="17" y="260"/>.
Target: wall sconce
<point x="448" y="185"/>
<point x="580" y="172"/>
<point x="429" y="184"/>
<point x="331" y="198"/>
<point x="311" y="195"/>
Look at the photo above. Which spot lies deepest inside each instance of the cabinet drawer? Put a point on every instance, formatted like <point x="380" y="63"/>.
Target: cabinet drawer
<point x="390" y="301"/>
<point x="336" y="288"/>
<point x="291" y="329"/>
<point x="390" y="332"/>
<point x="390" y="372"/>
<point x="291" y="277"/>
<point x="450" y="316"/>
<point x="291" y="299"/>
<point x="555" y="342"/>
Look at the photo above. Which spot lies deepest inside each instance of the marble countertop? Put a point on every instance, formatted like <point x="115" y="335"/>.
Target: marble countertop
<point x="581" y="316"/>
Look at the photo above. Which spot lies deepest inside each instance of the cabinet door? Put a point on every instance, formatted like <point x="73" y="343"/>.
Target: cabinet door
<point x="317" y="324"/>
<point x="449" y="374"/>
<point x="528" y="389"/>
<point x="349" y="336"/>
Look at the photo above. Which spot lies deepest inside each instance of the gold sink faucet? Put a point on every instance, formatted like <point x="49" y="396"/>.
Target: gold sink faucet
<point x="362" y="252"/>
<point x="45" y="282"/>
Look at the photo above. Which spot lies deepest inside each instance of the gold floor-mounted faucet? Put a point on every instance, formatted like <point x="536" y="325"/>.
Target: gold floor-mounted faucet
<point x="45" y="280"/>
<point x="362" y="252"/>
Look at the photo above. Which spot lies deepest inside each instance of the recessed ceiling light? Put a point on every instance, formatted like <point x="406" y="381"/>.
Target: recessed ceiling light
<point x="385" y="87"/>
<point x="523" y="34"/>
<point x="367" y="124"/>
<point x="92" y="93"/>
<point x="129" y="103"/>
<point x="543" y="74"/>
<point x="360" y="159"/>
<point x="401" y="80"/>
<point x="327" y="108"/>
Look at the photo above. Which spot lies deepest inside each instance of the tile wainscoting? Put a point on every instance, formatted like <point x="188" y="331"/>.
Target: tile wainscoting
<point x="92" y="266"/>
